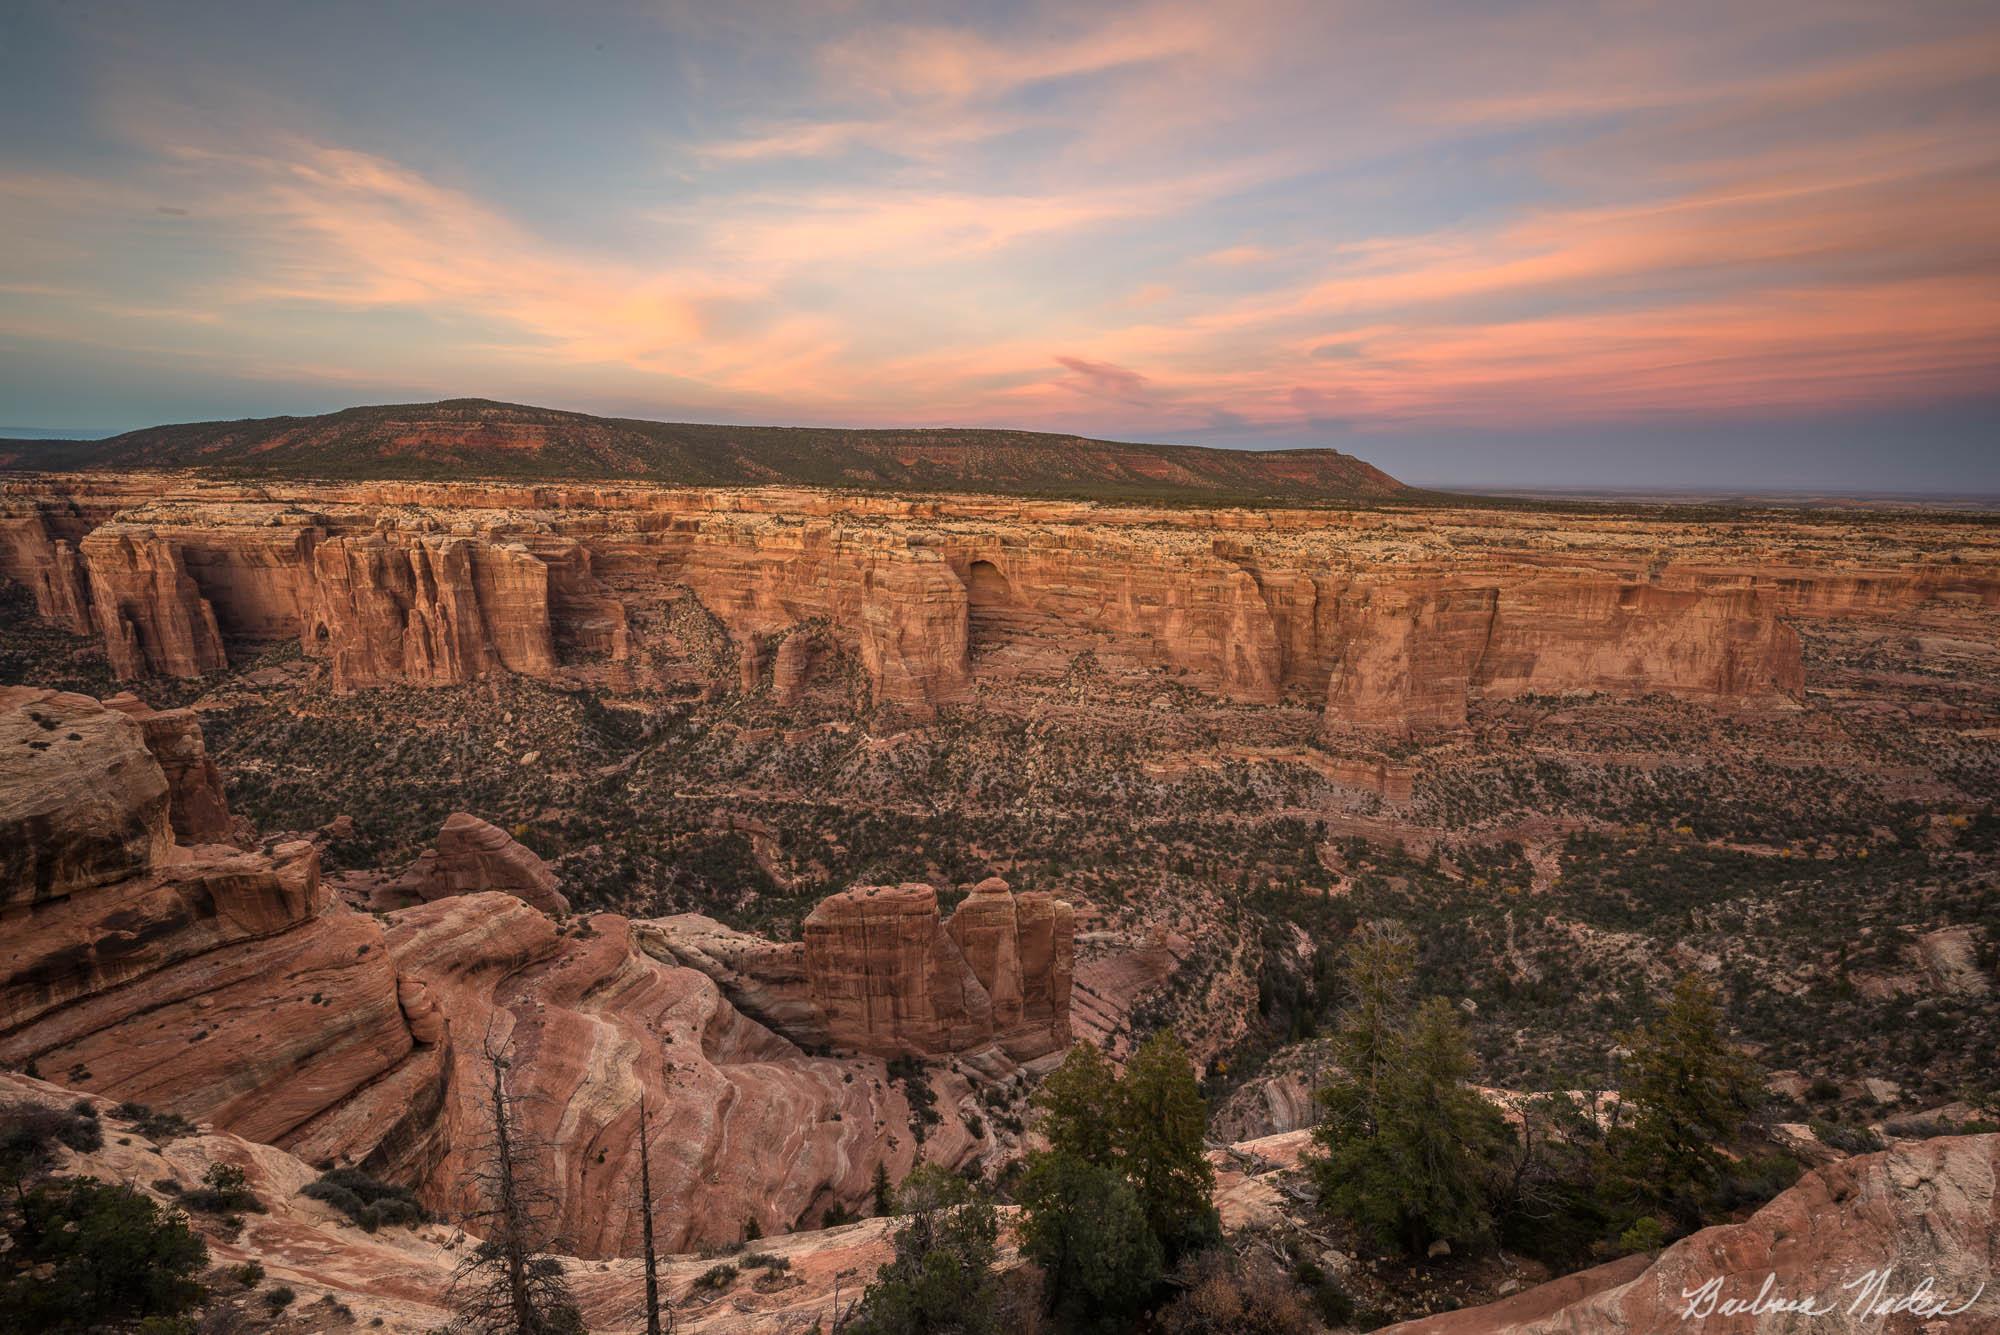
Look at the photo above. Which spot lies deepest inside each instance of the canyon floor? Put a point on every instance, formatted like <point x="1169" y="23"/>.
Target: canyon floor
<point x="1786" y="781"/>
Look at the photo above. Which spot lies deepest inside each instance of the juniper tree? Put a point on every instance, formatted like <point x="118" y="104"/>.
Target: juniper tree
<point x="940" y="1281"/>
<point x="1160" y="1122"/>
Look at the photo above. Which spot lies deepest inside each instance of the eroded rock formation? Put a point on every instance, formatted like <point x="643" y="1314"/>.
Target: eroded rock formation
<point x="889" y="975"/>
<point x="235" y="987"/>
<point x="1393" y="624"/>
<point x="472" y="855"/>
<point x="197" y="807"/>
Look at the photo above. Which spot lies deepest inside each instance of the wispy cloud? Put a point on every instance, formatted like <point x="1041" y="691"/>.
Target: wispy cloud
<point x="1272" y="218"/>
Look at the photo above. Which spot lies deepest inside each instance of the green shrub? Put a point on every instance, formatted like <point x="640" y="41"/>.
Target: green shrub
<point x="84" y="1255"/>
<point x="717" y="1277"/>
<point x="224" y="1190"/>
<point x="368" y="1202"/>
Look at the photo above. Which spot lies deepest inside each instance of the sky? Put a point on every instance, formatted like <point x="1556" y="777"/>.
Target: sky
<point x="1529" y="244"/>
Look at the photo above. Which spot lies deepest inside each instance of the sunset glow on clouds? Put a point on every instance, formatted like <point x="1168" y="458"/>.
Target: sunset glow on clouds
<point x="1413" y="231"/>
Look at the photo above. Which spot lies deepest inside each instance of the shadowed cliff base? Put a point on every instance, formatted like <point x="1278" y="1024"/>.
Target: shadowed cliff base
<point x="478" y="437"/>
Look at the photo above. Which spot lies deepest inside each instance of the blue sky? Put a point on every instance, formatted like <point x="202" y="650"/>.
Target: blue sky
<point x="1539" y="244"/>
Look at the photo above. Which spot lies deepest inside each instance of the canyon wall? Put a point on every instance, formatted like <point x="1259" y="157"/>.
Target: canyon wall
<point x="1389" y="623"/>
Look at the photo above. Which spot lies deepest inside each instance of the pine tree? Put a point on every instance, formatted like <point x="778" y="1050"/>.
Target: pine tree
<point x="1078" y="1103"/>
<point x="1690" y="1092"/>
<point x="509" y="1284"/>
<point x="885" y="1199"/>
<point x="940" y="1280"/>
<point x="1379" y="960"/>
<point x="1408" y="1152"/>
<point x="1160" y="1120"/>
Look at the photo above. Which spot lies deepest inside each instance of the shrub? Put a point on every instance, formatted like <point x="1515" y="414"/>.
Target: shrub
<point x="1846" y="1138"/>
<point x="717" y="1277"/>
<point x="250" y="1274"/>
<point x="1223" y="1294"/>
<point x="160" y="1128"/>
<point x="941" y="1277"/>
<point x="29" y="1133"/>
<point x="88" y="1255"/>
<point x="280" y="1298"/>
<point x="368" y="1202"/>
<point x="224" y="1190"/>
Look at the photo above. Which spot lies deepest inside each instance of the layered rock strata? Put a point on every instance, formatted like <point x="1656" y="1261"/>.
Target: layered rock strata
<point x="1392" y="623"/>
<point x="472" y="855"/>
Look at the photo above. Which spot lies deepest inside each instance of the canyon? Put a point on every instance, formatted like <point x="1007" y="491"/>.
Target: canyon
<point x="825" y="821"/>
<point x="237" y="987"/>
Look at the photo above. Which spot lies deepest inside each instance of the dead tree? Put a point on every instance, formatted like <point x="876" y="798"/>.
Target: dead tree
<point x="654" y="1324"/>
<point x="509" y="1283"/>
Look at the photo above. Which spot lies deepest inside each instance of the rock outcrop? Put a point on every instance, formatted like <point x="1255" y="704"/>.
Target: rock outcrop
<point x="1924" y="1211"/>
<point x="197" y="807"/>
<point x="202" y="978"/>
<point x="472" y="855"/>
<point x="234" y="987"/>
<point x="149" y="610"/>
<point x="888" y="975"/>
<point x="34" y="554"/>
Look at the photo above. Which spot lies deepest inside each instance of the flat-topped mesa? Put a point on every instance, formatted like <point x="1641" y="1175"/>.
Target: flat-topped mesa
<point x="1395" y="622"/>
<point x="890" y="976"/>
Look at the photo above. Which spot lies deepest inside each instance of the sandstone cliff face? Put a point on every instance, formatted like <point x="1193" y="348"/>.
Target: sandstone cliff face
<point x="889" y="976"/>
<point x="1928" y="1209"/>
<point x="1395" y="623"/>
<point x="1412" y="657"/>
<point x="429" y="610"/>
<point x="150" y="612"/>
<point x="34" y="555"/>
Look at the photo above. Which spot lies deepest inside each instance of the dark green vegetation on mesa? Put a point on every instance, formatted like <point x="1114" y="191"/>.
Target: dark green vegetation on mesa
<point x="468" y="438"/>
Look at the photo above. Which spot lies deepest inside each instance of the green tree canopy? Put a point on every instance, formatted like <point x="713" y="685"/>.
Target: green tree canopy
<point x="1079" y="1104"/>
<point x="1408" y="1152"/>
<point x="1084" y="1225"/>
<point x="1160" y="1120"/>
<point x="1690" y="1092"/>
<point x="940" y="1281"/>
<point x="90" y="1255"/>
